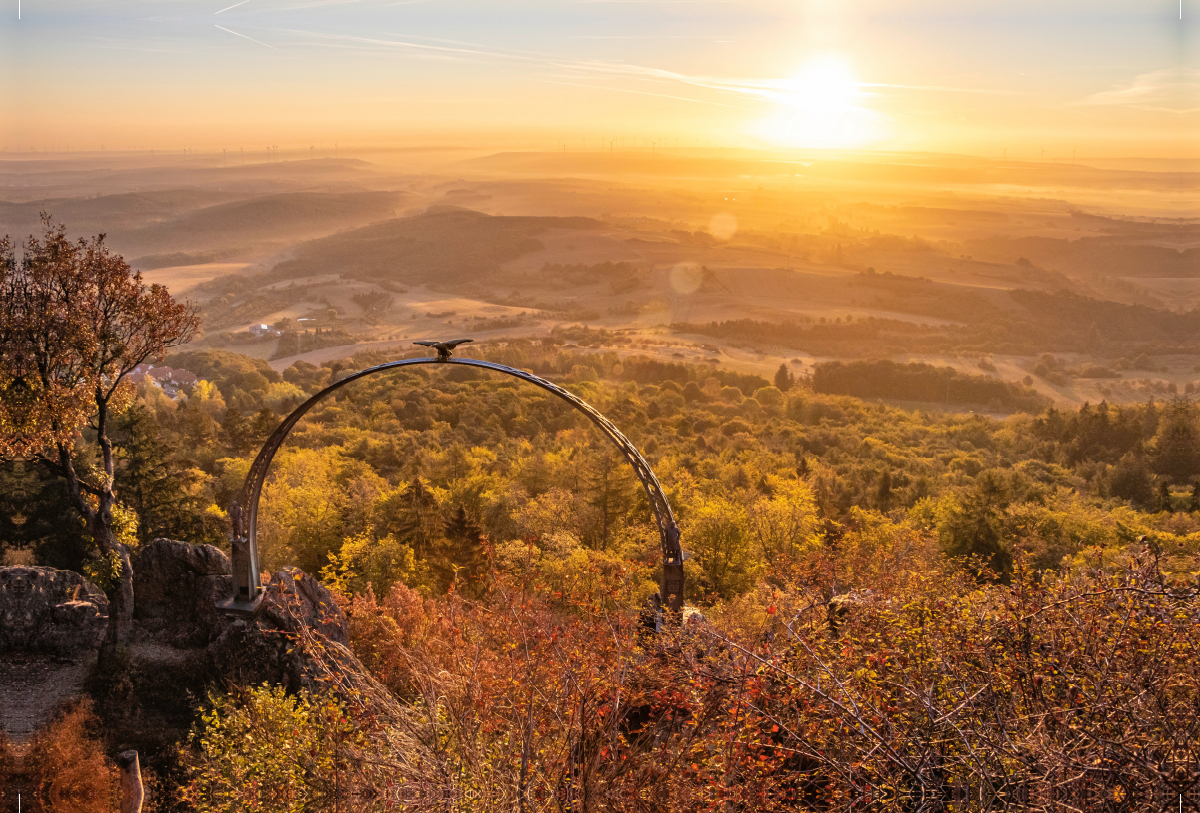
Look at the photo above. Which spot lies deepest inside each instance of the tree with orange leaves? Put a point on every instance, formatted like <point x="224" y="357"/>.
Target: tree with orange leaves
<point x="75" y="321"/>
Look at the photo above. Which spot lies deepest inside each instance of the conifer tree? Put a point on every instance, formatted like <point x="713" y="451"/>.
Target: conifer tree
<point x="462" y="559"/>
<point x="784" y="379"/>
<point x="236" y="431"/>
<point x="414" y="516"/>
<point x="1176" y="445"/>
<point x="160" y="491"/>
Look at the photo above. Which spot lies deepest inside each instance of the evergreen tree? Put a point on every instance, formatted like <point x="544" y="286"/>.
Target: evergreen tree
<point x="1176" y="445"/>
<point x="883" y="491"/>
<point x="263" y="425"/>
<point x="1150" y="420"/>
<point x="610" y="493"/>
<point x="162" y="492"/>
<point x="784" y="379"/>
<point x="974" y="526"/>
<point x="236" y="431"/>
<point x="462" y="559"/>
<point x="37" y="515"/>
<point x="414" y="517"/>
<point x="1132" y="480"/>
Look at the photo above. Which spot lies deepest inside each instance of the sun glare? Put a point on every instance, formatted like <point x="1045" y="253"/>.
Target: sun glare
<point x="820" y="106"/>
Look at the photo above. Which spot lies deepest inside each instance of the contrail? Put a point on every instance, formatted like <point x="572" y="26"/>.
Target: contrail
<point x="243" y="36"/>
<point x="235" y="5"/>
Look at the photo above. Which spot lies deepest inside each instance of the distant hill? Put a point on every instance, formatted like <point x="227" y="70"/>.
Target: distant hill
<point x="443" y="246"/>
<point x="260" y="219"/>
<point x="108" y="213"/>
<point x="1096" y="256"/>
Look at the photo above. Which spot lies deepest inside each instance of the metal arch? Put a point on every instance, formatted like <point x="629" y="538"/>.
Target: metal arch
<point x="245" y="520"/>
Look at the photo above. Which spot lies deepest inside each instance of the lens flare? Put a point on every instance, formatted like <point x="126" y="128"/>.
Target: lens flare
<point x="723" y="226"/>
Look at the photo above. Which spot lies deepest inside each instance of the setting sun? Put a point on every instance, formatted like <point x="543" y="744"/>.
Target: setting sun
<point x="820" y="106"/>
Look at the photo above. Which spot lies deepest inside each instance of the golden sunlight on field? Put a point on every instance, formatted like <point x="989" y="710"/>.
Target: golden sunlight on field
<point x="182" y="277"/>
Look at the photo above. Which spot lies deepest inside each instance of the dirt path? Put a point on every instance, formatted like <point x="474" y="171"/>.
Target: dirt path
<point x="31" y="689"/>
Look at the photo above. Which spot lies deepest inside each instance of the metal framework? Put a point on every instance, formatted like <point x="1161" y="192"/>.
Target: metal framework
<point x="244" y="512"/>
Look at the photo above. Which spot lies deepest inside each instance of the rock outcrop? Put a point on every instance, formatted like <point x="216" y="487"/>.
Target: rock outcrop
<point x="176" y="586"/>
<point x="298" y="636"/>
<point x="51" y="612"/>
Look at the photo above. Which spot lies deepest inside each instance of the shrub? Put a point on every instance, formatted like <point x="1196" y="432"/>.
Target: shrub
<point x="262" y="749"/>
<point x="68" y="764"/>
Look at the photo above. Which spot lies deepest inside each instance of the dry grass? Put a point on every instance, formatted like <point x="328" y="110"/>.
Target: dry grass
<point x="68" y="767"/>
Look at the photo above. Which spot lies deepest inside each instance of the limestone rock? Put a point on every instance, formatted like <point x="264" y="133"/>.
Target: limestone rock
<point x="294" y="599"/>
<point x="48" y="611"/>
<point x="176" y="586"/>
<point x="297" y="636"/>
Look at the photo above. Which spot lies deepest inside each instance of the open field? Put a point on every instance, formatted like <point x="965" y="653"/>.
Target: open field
<point x="182" y="278"/>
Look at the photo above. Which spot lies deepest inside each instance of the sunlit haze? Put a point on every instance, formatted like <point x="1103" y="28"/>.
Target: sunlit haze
<point x="1022" y="79"/>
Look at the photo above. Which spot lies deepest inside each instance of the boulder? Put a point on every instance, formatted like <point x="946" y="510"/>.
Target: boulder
<point x="52" y="612"/>
<point x="298" y="637"/>
<point x="294" y="600"/>
<point x="176" y="586"/>
<point x="297" y="632"/>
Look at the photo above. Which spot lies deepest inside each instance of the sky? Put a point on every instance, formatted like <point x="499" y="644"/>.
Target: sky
<point x="1015" y="78"/>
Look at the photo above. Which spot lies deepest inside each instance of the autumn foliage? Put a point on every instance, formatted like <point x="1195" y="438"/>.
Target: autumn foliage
<point x="67" y="765"/>
<point x="921" y="689"/>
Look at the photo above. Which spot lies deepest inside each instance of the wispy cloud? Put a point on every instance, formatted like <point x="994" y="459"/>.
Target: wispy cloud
<point x="1171" y="90"/>
<point x="243" y="36"/>
<point x="648" y="93"/>
<point x="617" y="75"/>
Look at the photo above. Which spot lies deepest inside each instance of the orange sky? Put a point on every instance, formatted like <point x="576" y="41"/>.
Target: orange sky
<point x="1098" y="78"/>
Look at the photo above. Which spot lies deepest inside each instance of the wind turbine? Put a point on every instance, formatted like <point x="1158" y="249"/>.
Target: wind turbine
<point x="654" y="147"/>
<point x="610" y="144"/>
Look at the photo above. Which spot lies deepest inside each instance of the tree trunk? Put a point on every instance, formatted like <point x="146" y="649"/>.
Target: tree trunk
<point x="120" y="596"/>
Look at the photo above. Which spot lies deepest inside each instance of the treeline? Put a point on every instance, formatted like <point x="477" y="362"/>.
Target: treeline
<point x="924" y="382"/>
<point x="295" y="342"/>
<point x="616" y="278"/>
<point x="1021" y="322"/>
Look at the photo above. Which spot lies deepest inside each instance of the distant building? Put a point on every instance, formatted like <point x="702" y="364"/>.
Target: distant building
<point x="258" y="331"/>
<point x="171" y="380"/>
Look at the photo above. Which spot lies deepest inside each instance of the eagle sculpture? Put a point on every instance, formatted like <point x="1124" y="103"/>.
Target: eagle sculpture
<point x="444" y="349"/>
